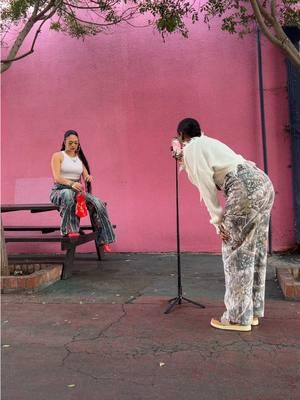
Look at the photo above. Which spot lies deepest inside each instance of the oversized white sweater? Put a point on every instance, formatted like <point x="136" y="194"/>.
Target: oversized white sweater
<point x="207" y="161"/>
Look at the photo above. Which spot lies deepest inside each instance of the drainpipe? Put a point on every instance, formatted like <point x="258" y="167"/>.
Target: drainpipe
<point x="293" y="83"/>
<point x="262" y="120"/>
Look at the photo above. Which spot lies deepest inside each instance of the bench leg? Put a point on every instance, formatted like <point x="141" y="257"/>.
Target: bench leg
<point x="99" y="249"/>
<point x="100" y="252"/>
<point x="68" y="263"/>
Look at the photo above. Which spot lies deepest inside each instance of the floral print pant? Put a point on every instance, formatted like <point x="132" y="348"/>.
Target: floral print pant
<point x="249" y="199"/>
<point x="64" y="198"/>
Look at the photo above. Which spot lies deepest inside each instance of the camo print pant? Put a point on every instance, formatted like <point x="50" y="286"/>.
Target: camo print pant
<point x="249" y="198"/>
<point x="64" y="197"/>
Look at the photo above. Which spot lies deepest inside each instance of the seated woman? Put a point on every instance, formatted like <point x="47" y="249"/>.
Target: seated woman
<point x="68" y="166"/>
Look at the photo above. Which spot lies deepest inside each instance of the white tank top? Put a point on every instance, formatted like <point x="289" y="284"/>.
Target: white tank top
<point x="71" y="167"/>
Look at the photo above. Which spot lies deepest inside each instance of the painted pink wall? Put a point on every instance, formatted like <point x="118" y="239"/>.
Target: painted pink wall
<point x="125" y="93"/>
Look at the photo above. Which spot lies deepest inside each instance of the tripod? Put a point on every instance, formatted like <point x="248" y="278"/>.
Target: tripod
<point x="178" y="300"/>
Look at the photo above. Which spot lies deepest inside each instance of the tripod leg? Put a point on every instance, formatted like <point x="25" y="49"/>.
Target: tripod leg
<point x="171" y="300"/>
<point x="193" y="302"/>
<point x="176" y="301"/>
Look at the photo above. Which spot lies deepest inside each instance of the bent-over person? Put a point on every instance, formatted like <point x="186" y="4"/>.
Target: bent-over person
<point x="243" y="224"/>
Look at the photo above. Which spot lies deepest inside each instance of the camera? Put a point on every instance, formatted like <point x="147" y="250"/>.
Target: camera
<point x="176" y="148"/>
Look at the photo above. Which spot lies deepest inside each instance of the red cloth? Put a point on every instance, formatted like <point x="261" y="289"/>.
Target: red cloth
<point x="81" y="208"/>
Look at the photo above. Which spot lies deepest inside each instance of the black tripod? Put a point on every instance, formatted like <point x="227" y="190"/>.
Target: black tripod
<point x="178" y="300"/>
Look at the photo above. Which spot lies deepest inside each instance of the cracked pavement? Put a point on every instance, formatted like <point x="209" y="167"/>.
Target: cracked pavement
<point x="103" y="335"/>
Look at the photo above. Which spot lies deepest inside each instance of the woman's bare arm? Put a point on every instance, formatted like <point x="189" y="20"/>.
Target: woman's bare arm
<point x="86" y="176"/>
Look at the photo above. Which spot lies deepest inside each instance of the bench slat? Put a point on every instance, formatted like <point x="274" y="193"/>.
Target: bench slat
<point x="30" y="207"/>
<point x="44" y="229"/>
<point x="49" y="228"/>
<point x="66" y="242"/>
<point x="34" y="208"/>
<point x="33" y="239"/>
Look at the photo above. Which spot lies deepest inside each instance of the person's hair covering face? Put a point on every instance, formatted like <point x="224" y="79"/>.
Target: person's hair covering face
<point x="189" y="127"/>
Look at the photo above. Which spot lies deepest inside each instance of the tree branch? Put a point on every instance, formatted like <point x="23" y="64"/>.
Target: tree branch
<point x="73" y="15"/>
<point x="6" y="63"/>
<point x="264" y="13"/>
<point x="261" y="23"/>
<point x="51" y="4"/>
<point x="10" y="60"/>
<point x="81" y="7"/>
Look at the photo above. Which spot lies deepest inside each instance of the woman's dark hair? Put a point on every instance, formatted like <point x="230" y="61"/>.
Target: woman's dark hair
<point x="189" y="127"/>
<point x="80" y="155"/>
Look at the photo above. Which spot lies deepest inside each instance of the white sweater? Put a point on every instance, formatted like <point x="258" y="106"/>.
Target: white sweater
<point x="207" y="161"/>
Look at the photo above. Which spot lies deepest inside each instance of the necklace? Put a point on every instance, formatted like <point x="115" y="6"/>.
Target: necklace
<point x="74" y="159"/>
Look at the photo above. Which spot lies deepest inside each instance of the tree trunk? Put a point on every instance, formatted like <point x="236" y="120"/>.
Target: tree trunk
<point x="4" y="261"/>
<point x="271" y="28"/>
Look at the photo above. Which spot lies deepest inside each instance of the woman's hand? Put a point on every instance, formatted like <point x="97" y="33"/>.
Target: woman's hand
<point x="224" y="234"/>
<point x="77" y="186"/>
<point x="88" y="178"/>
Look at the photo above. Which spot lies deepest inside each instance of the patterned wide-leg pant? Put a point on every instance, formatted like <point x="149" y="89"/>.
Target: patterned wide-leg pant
<point x="249" y="199"/>
<point x="65" y="199"/>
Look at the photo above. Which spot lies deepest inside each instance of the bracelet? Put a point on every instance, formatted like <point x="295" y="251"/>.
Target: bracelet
<point x="72" y="184"/>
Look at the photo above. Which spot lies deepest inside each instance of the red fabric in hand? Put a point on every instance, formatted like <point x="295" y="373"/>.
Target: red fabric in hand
<point x="81" y="208"/>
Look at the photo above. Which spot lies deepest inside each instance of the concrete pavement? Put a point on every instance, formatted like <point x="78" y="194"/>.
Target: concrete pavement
<point x="103" y="335"/>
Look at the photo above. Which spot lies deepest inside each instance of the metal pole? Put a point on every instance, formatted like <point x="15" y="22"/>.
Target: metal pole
<point x="262" y="117"/>
<point x="179" y="298"/>
<point x="178" y="237"/>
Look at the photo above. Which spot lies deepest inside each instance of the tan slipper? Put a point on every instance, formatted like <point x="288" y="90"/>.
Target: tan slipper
<point x="255" y="321"/>
<point x="229" y="327"/>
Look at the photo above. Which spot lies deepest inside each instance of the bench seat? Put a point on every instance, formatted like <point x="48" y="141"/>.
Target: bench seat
<point x="43" y="229"/>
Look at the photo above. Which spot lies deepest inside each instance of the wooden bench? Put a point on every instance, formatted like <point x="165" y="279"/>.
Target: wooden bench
<point x="67" y="244"/>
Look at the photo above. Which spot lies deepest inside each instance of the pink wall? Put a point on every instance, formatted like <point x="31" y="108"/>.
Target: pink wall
<point x="124" y="93"/>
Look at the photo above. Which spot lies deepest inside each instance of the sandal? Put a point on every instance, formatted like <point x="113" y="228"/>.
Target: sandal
<point x="229" y="326"/>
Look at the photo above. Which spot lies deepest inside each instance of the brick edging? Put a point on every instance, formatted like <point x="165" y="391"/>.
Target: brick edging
<point x="289" y="285"/>
<point x="37" y="280"/>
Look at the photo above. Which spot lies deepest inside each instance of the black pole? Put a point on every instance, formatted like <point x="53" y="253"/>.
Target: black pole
<point x="263" y="121"/>
<point x="178" y="237"/>
<point x="178" y="300"/>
